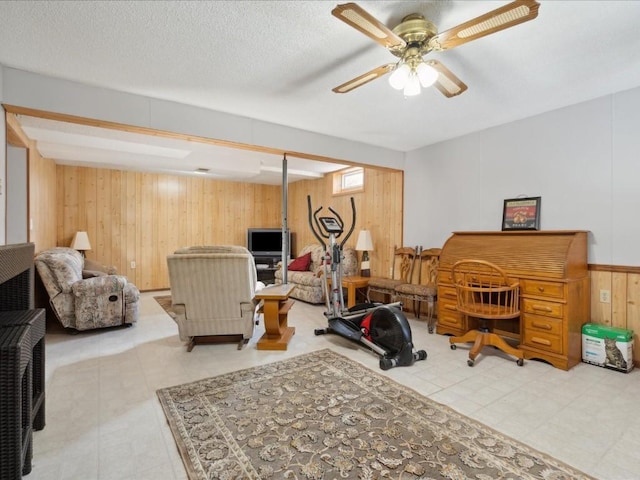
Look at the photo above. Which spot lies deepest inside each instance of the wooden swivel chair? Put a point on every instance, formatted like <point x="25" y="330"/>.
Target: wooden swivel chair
<point x="485" y="292"/>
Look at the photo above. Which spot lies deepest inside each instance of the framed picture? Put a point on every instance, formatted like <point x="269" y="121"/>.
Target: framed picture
<point x="521" y="214"/>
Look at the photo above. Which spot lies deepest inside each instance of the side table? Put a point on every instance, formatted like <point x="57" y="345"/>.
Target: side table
<point x="352" y="284"/>
<point x="275" y="307"/>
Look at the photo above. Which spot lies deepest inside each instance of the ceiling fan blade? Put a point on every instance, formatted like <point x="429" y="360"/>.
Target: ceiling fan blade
<point x="364" y="78"/>
<point x="353" y="15"/>
<point x="447" y="82"/>
<point x="501" y="18"/>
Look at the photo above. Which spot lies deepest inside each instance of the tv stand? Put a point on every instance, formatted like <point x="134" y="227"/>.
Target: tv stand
<point x="266" y="268"/>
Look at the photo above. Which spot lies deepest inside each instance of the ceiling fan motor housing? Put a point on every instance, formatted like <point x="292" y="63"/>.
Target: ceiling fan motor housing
<point x="416" y="31"/>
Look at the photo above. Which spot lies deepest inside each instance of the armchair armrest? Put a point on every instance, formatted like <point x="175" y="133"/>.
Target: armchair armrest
<point x="96" y="286"/>
<point x="93" y="266"/>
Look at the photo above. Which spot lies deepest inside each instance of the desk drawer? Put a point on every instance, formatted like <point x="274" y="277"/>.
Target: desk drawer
<point x="450" y="320"/>
<point x="542" y="289"/>
<point x="543" y="341"/>
<point x="542" y="325"/>
<point x="537" y="307"/>
<point x="448" y="313"/>
<point x="445" y="277"/>
<point x="447" y="292"/>
<point x="543" y="333"/>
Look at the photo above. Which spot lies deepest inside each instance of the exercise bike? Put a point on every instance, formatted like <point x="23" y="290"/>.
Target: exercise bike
<point x="382" y="328"/>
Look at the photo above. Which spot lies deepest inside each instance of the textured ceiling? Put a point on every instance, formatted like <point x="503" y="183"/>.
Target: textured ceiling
<point x="277" y="61"/>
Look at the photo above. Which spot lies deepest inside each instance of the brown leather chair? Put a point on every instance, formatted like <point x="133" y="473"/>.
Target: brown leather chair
<point x="484" y="291"/>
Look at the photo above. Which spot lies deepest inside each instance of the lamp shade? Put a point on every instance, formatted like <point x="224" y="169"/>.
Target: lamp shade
<point x="426" y="74"/>
<point x="81" y="241"/>
<point x="365" y="243"/>
<point x="399" y="77"/>
<point x="412" y="87"/>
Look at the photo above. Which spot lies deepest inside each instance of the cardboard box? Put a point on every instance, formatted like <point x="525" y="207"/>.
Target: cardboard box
<point x="608" y="347"/>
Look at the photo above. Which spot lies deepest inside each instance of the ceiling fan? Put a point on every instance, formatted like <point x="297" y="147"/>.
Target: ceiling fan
<point x="416" y="36"/>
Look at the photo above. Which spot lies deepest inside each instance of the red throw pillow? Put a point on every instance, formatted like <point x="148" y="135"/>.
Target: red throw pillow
<point x="300" y="264"/>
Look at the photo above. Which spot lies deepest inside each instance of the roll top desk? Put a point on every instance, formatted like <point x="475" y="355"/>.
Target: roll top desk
<point x="554" y="288"/>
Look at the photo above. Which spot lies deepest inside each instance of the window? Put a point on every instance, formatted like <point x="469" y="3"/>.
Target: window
<point x="348" y="181"/>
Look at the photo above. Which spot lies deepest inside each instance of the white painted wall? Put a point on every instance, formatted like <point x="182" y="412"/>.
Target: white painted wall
<point x="16" y="194"/>
<point x="3" y="165"/>
<point x="582" y="160"/>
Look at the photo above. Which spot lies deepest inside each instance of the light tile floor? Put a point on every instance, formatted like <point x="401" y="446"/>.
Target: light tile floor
<point x="104" y="420"/>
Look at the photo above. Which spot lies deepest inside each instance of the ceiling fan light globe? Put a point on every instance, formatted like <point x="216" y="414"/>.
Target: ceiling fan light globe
<point x="412" y="87"/>
<point x="399" y="77"/>
<point x="426" y="74"/>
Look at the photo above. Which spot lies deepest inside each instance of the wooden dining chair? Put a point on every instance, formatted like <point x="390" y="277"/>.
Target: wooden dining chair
<point x="425" y="289"/>
<point x="401" y="272"/>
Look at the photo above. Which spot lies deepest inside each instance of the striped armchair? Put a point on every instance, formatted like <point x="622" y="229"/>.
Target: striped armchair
<point x="213" y="293"/>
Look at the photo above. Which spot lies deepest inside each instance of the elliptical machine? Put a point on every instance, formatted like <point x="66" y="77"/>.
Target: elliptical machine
<point x="384" y="329"/>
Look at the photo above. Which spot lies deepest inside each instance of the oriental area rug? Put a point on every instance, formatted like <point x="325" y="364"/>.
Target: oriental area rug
<point x="323" y="416"/>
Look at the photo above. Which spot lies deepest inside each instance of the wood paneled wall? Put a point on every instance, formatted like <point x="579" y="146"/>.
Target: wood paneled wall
<point x="624" y="308"/>
<point x="141" y="217"/>
<point x="42" y="201"/>
<point x="379" y="208"/>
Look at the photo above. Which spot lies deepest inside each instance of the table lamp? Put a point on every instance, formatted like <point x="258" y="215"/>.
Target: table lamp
<point x="81" y="242"/>
<point x="364" y="245"/>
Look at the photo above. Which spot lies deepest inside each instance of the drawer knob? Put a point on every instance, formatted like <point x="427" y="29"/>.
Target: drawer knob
<point x="542" y="341"/>
<point x="541" y="289"/>
<point x="541" y="308"/>
<point x="451" y="307"/>
<point x="541" y="326"/>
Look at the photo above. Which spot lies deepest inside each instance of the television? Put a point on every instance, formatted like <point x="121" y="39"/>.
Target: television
<point x="266" y="242"/>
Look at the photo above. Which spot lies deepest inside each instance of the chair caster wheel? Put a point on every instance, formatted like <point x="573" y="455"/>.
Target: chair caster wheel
<point x="319" y="331"/>
<point x="470" y="362"/>
<point x="520" y="362"/>
<point x="421" y="355"/>
<point x="453" y="346"/>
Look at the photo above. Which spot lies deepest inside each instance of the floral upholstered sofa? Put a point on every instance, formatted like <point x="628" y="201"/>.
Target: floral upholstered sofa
<point x="307" y="276"/>
<point x="86" y="297"/>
